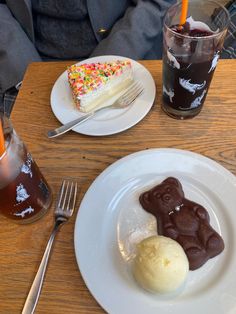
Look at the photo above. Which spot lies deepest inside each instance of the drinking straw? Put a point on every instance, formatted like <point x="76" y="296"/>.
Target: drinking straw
<point x="2" y="141"/>
<point x="184" y="12"/>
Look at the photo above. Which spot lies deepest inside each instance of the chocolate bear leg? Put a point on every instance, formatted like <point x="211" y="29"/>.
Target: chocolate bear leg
<point x="196" y="257"/>
<point x="215" y="245"/>
<point x="211" y="240"/>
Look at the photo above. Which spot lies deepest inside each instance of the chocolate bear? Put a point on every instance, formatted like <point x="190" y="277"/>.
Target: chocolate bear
<point x="183" y="220"/>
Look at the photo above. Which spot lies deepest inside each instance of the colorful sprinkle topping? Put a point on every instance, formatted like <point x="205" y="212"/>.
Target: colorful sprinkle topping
<point x="89" y="77"/>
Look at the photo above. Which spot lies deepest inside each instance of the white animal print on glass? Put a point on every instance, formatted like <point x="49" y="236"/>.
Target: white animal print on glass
<point x="197" y="102"/>
<point x="199" y="25"/>
<point x="192" y="88"/>
<point x="26" y="167"/>
<point x="214" y="62"/>
<point x="21" y="193"/>
<point x="169" y="92"/>
<point x="172" y="60"/>
<point x="28" y="210"/>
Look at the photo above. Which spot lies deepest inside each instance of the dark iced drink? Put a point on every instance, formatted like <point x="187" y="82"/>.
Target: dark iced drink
<point x="24" y="193"/>
<point x="190" y="55"/>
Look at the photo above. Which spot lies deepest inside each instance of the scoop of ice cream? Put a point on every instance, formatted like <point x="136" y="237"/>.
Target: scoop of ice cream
<point x="160" y="265"/>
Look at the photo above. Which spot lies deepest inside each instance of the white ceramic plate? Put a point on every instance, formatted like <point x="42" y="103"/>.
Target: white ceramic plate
<point x="111" y="221"/>
<point x="109" y="121"/>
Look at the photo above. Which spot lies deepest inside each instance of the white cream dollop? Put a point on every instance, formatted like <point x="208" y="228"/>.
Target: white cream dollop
<point x="161" y="265"/>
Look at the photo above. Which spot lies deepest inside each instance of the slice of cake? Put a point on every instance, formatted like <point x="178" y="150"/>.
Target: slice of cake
<point x="93" y="84"/>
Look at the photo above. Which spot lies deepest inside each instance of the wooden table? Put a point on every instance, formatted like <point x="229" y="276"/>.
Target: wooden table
<point x="212" y="133"/>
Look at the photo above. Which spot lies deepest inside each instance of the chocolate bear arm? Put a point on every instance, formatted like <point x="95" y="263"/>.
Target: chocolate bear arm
<point x="200" y="211"/>
<point x="188" y="222"/>
<point x="166" y="227"/>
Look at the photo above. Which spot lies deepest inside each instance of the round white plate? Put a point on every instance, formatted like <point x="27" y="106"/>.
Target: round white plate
<point x="108" y="121"/>
<point x="111" y="221"/>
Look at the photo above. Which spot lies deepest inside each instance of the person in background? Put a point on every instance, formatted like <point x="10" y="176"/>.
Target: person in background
<point x="36" y="30"/>
<point x="229" y="49"/>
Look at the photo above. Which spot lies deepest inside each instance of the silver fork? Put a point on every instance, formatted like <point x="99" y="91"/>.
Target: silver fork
<point x="126" y="99"/>
<point x="64" y="210"/>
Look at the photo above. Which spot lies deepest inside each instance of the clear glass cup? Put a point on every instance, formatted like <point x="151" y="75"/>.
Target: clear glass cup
<point x="25" y="195"/>
<point x="189" y="62"/>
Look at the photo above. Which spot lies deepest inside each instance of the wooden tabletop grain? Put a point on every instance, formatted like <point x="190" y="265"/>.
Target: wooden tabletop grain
<point x="212" y="133"/>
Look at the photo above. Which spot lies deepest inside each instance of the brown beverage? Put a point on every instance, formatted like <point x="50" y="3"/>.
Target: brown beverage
<point x="24" y="193"/>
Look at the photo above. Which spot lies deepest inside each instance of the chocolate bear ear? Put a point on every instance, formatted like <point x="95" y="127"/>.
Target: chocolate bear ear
<point x="144" y="199"/>
<point x="172" y="180"/>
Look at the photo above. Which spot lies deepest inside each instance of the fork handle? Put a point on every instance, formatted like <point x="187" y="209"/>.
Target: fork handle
<point x="70" y="125"/>
<point x="36" y="287"/>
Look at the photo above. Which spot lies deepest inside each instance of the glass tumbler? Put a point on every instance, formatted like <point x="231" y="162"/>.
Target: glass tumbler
<point x="25" y="195"/>
<point x="190" y="55"/>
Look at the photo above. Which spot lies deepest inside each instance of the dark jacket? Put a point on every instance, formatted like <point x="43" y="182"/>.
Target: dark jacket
<point x="131" y="28"/>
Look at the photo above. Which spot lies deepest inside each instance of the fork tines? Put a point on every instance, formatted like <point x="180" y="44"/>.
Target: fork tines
<point x="132" y="93"/>
<point x="67" y="198"/>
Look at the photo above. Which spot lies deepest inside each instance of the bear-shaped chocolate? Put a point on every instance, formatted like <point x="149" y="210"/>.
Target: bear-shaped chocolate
<point x="183" y="220"/>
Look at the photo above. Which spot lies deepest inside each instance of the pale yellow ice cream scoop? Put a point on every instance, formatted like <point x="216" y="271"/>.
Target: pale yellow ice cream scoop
<point x="160" y="265"/>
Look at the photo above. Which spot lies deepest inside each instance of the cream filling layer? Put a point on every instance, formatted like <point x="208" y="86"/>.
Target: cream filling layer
<point x="99" y="98"/>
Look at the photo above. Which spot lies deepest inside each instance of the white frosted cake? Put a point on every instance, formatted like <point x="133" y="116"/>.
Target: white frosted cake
<point x="93" y="84"/>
